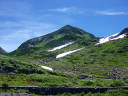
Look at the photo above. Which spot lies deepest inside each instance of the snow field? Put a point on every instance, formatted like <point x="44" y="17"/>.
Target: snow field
<point x="66" y="53"/>
<point x="60" y="47"/>
<point x="110" y="38"/>
<point x="45" y="67"/>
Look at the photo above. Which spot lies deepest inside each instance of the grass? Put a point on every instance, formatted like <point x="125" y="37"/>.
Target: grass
<point x="56" y="80"/>
<point x="39" y="54"/>
<point x="35" y="80"/>
<point x="94" y="62"/>
<point x="19" y="73"/>
<point x="103" y="65"/>
<point x="8" y="65"/>
<point x="108" y="60"/>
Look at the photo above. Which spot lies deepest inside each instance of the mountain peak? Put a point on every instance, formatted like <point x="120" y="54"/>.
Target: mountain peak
<point x="70" y="30"/>
<point x="65" y="34"/>
<point x="68" y="26"/>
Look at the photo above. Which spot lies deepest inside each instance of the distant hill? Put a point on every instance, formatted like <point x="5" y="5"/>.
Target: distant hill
<point x="2" y="51"/>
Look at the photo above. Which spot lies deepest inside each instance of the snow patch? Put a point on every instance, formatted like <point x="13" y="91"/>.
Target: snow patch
<point x="66" y="53"/>
<point x="45" y="67"/>
<point x="111" y="38"/>
<point x="119" y="37"/>
<point x="60" y="47"/>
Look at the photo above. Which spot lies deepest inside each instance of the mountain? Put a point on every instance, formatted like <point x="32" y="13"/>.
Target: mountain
<point x="114" y="37"/>
<point x="2" y="51"/>
<point x="72" y="57"/>
<point x="108" y="60"/>
<point x="64" y="35"/>
<point x="80" y="54"/>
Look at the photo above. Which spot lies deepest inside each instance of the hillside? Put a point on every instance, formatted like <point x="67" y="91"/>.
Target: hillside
<point x="39" y="48"/>
<point x="2" y="51"/>
<point x="17" y="73"/>
<point x="87" y="64"/>
<point x="108" y="60"/>
<point x="114" y="37"/>
<point x="63" y="35"/>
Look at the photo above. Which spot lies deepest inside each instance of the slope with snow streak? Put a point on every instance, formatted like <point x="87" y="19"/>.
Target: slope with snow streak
<point x="111" y="38"/>
<point x="66" y="53"/>
<point x="61" y="46"/>
<point x="45" y="67"/>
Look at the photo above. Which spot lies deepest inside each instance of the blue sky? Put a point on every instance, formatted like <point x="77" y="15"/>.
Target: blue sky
<point x="21" y="20"/>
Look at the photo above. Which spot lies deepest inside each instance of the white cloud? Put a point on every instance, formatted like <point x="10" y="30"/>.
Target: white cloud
<point x="67" y="10"/>
<point x="11" y="8"/>
<point x="63" y="10"/>
<point x="19" y="22"/>
<point x="15" y="33"/>
<point x="110" y="13"/>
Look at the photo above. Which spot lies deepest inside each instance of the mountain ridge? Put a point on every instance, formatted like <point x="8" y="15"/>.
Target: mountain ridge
<point x="67" y="32"/>
<point x="62" y="36"/>
<point x="108" y="60"/>
<point x="57" y="39"/>
<point x="114" y="37"/>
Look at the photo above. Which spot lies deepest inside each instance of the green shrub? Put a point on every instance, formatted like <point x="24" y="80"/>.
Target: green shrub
<point x="98" y="82"/>
<point x="88" y="83"/>
<point x="117" y="83"/>
<point x="118" y="91"/>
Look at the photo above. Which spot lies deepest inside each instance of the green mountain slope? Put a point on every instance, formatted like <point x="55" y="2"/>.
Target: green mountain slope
<point x="63" y="35"/>
<point x="2" y="51"/>
<point x="36" y="48"/>
<point x="18" y="73"/>
<point x="95" y="65"/>
<point x="108" y="60"/>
